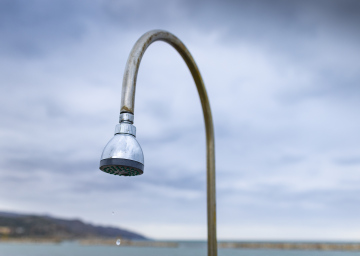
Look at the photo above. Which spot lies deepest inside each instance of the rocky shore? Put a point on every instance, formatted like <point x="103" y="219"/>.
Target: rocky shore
<point x="292" y="246"/>
<point x="233" y="245"/>
<point x="31" y="240"/>
<point x="124" y="242"/>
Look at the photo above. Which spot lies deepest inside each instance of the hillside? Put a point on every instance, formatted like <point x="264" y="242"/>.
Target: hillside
<point x="13" y="225"/>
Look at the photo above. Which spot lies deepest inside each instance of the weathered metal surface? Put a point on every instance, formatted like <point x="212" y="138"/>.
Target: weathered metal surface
<point x="127" y="106"/>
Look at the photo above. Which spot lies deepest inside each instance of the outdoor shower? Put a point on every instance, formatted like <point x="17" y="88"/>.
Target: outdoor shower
<point x="123" y="154"/>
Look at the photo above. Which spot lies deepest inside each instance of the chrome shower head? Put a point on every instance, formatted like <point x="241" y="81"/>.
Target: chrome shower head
<point x="123" y="154"/>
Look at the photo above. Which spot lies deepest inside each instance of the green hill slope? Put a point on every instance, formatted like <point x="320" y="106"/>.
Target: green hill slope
<point x="32" y="226"/>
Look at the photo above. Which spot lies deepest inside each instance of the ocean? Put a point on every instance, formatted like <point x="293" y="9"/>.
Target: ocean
<point x="184" y="249"/>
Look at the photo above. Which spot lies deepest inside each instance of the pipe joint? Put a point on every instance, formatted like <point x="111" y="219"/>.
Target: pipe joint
<point x="125" y="128"/>
<point x="126" y="118"/>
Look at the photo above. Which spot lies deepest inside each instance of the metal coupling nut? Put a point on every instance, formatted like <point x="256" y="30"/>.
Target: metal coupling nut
<point x="125" y="128"/>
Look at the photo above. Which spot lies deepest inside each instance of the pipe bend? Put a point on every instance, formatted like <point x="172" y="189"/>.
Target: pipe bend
<point x="127" y="106"/>
<point x="133" y="64"/>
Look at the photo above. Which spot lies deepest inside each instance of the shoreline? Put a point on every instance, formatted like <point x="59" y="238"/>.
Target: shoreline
<point x="319" y="246"/>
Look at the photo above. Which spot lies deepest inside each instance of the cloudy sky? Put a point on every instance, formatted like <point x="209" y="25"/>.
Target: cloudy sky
<point x="284" y="86"/>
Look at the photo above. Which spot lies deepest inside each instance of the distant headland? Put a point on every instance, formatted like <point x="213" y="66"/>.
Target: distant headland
<point x="29" y="227"/>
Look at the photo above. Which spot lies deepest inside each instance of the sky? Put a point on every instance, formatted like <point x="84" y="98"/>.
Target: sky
<point x="284" y="87"/>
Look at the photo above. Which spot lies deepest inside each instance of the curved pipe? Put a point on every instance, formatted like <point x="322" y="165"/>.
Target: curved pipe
<point x="127" y="106"/>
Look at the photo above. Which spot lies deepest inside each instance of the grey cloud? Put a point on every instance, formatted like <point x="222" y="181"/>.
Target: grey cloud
<point x="280" y="23"/>
<point x="292" y="30"/>
<point x="282" y="205"/>
<point x="291" y="159"/>
<point x="51" y="163"/>
<point x="348" y="161"/>
<point x="35" y="28"/>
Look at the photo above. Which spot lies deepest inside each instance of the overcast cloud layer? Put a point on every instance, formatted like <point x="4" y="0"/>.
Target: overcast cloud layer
<point x="284" y="86"/>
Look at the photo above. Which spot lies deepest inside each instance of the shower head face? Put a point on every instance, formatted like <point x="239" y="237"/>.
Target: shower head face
<point x="122" y="156"/>
<point x="122" y="167"/>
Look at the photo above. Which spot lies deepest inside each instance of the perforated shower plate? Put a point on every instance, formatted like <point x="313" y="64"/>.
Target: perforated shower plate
<point x="122" y="167"/>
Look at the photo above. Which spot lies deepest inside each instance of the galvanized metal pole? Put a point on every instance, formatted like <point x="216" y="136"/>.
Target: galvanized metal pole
<point x="127" y="106"/>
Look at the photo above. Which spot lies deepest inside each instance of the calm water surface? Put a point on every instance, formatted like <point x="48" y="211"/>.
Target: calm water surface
<point x="185" y="249"/>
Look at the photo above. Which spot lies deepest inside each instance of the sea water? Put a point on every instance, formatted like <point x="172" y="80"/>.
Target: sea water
<point x="184" y="249"/>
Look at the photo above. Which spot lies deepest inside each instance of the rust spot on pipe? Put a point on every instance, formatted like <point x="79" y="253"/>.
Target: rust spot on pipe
<point x="124" y="109"/>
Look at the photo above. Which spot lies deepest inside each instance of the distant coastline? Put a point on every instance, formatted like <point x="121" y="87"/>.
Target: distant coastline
<point x="24" y="228"/>
<point x="321" y="246"/>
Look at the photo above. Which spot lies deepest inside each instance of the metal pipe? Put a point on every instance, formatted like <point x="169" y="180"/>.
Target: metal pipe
<point x="127" y="106"/>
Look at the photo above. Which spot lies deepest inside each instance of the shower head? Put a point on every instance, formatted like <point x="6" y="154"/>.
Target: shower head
<point x="123" y="154"/>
